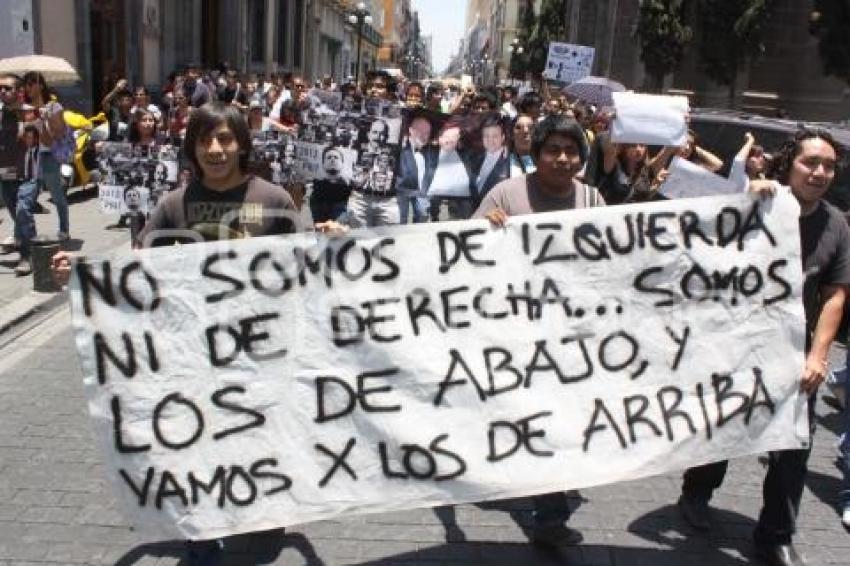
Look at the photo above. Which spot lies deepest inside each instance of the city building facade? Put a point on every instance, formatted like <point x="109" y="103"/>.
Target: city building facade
<point x="146" y="40"/>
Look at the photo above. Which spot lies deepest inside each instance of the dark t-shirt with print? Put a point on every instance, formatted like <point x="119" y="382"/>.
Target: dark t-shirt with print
<point x="255" y="208"/>
<point x="825" y="244"/>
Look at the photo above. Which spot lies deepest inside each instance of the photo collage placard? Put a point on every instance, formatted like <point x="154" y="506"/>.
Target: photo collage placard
<point x="135" y="177"/>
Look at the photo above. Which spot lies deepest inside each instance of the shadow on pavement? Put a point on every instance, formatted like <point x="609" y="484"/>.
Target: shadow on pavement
<point x="665" y="527"/>
<point x="81" y="195"/>
<point x="519" y="509"/>
<point x="582" y="555"/>
<point x="72" y="245"/>
<point x="825" y="488"/>
<point x="832" y="421"/>
<point x="240" y="550"/>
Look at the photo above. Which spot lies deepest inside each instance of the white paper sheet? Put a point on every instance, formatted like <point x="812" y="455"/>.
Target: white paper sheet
<point x="649" y="119"/>
<point x="687" y="179"/>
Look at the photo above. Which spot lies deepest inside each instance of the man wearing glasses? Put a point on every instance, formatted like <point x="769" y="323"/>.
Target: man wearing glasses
<point x="297" y="92"/>
<point x="11" y="151"/>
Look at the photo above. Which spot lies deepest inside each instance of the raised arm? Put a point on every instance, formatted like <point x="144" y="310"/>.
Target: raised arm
<point x="106" y="103"/>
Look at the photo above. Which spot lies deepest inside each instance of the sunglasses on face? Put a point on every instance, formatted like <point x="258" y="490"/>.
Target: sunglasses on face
<point x="6" y="88"/>
<point x="299" y="86"/>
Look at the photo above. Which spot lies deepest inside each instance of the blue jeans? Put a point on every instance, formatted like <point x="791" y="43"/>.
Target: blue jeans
<point x="48" y="172"/>
<point x="24" y="219"/>
<point x="10" y="195"/>
<point x="844" y="494"/>
<point x="420" y="206"/>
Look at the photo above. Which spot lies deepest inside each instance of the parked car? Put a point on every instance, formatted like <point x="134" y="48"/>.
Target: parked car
<point x="722" y="132"/>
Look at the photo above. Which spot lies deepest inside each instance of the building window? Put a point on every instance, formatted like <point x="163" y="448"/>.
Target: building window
<point x="298" y="33"/>
<point x="258" y="31"/>
<point x="282" y="31"/>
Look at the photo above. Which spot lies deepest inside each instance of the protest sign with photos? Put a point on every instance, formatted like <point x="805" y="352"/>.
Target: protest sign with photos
<point x="361" y="136"/>
<point x="649" y="119"/>
<point x="246" y="385"/>
<point x="452" y="152"/>
<point x="135" y="177"/>
<point x="568" y="63"/>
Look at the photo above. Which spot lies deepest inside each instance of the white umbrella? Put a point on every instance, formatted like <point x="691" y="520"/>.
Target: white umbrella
<point x="56" y="71"/>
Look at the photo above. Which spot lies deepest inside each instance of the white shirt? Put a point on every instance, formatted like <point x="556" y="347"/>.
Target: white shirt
<point x="487" y="167"/>
<point x="284" y="97"/>
<point x="450" y="178"/>
<point x="420" y="165"/>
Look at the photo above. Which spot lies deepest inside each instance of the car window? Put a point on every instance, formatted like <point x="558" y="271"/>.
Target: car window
<point x="724" y="136"/>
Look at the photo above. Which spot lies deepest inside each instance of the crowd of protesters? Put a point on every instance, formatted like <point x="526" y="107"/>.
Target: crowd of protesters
<point x="515" y="152"/>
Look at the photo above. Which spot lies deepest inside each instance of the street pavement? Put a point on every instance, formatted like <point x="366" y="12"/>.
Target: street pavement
<point x="56" y="506"/>
<point x="88" y="235"/>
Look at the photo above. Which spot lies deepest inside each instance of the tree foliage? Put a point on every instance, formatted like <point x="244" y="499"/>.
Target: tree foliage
<point x="527" y="24"/>
<point x="663" y="35"/>
<point x="731" y="33"/>
<point x="830" y="23"/>
<point x="536" y="32"/>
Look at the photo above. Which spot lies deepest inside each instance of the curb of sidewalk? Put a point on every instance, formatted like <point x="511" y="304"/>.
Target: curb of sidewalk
<point x="24" y="309"/>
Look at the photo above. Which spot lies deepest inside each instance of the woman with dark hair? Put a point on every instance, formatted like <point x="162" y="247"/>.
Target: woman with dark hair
<point x="699" y="155"/>
<point x="55" y="147"/>
<point x="629" y="174"/>
<point x="143" y="136"/>
<point x="749" y="164"/>
<point x="521" y="161"/>
<point x="143" y="128"/>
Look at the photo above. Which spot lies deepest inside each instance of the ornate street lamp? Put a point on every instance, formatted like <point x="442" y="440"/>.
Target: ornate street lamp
<point x="358" y="17"/>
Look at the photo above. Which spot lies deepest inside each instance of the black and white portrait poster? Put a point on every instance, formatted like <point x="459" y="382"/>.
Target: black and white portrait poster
<point x="342" y="144"/>
<point x="135" y="177"/>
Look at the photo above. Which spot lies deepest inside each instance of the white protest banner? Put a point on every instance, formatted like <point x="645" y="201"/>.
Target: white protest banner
<point x="686" y="179"/>
<point x="246" y="385"/>
<point x="649" y="119"/>
<point x="568" y="63"/>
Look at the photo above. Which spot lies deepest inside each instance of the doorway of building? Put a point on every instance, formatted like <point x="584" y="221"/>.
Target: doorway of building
<point x="108" y="53"/>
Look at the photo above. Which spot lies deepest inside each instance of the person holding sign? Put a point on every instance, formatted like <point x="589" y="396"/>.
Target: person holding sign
<point x="807" y="165"/>
<point x="559" y="150"/>
<point x="220" y="202"/>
